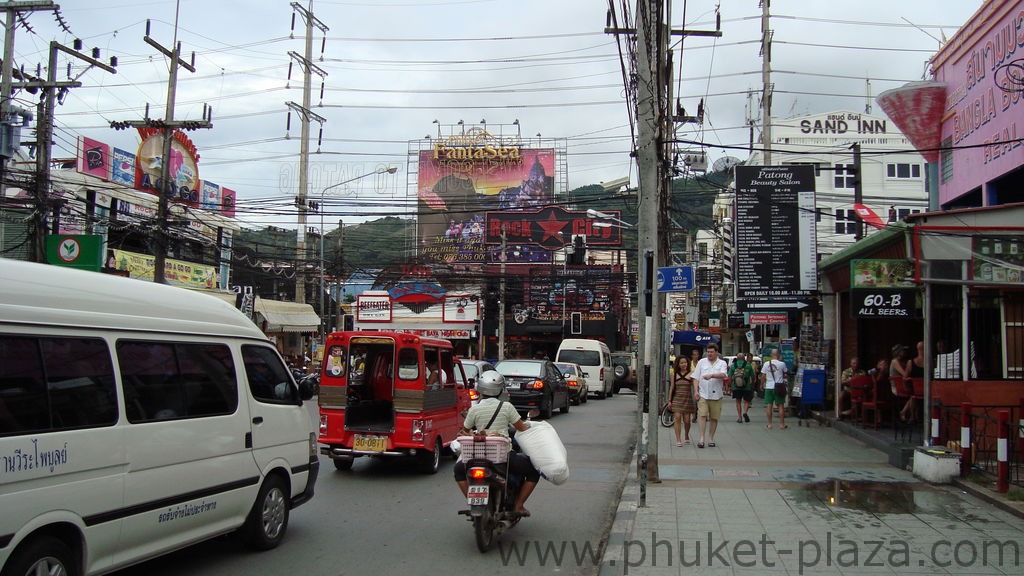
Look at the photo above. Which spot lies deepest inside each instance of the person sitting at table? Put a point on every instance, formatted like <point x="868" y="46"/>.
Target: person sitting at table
<point x="846" y="406"/>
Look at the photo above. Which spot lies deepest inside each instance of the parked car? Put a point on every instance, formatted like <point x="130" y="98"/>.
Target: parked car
<point x="576" y="381"/>
<point x="624" y="366"/>
<point x="535" y="384"/>
<point x="473" y="370"/>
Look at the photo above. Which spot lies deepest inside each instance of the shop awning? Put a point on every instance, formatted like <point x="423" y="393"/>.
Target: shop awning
<point x="286" y="316"/>
<point x="694" y="338"/>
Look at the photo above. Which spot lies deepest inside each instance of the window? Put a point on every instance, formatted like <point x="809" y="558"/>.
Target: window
<point x="946" y="160"/>
<point x="167" y="380"/>
<point x="903" y="171"/>
<point x="845" y="176"/>
<point x="815" y="165"/>
<point x="269" y="381"/>
<point x="408" y="364"/>
<point x="846" y="221"/>
<point x="51" y="384"/>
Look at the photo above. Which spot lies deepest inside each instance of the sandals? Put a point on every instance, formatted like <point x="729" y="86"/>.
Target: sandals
<point x="700" y="444"/>
<point x="739" y="420"/>
<point x="784" y="427"/>
<point x="711" y="444"/>
<point x="524" y="513"/>
<point x="686" y="442"/>
<point x="679" y="444"/>
<point x="767" y="426"/>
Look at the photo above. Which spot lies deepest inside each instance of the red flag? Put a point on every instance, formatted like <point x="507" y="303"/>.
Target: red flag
<point x="868" y="216"/>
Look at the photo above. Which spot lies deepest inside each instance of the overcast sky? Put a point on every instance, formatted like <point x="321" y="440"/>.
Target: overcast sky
<point x="394" y="66"/>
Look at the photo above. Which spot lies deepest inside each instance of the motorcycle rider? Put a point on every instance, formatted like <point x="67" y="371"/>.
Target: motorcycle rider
<point x="491" y="385"/>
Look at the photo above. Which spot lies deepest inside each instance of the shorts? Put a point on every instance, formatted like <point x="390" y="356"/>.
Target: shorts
<point x="770" y="397"/>
<point x="710" y="409"/>
<point x="745" y="395"/>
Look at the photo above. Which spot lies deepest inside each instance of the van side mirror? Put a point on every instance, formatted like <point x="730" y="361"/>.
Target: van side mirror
<point x="309" y="387"/>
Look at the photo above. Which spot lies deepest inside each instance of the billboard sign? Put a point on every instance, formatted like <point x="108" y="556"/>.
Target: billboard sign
<point x="550" y="228"/>
<point x="776" y="246"/>
<point x="466" y="175"/>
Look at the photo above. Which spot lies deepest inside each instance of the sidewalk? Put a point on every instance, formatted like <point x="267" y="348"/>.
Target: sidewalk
<point x="805" y="500"/>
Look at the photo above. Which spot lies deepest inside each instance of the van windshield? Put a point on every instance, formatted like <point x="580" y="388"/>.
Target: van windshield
<point x="581" y="357"/>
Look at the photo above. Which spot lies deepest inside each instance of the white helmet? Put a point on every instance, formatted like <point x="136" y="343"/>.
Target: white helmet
<point x="490" y="384"/>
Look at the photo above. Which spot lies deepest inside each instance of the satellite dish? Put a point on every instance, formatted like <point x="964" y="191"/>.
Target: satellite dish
<point x="725" y="163"/>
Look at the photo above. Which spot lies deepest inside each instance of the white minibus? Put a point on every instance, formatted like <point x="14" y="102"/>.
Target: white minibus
<point x="138" y="418"/>
<point x="595" y="358"/>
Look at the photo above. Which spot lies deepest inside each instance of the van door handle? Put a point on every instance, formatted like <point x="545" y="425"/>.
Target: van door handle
<point x="257" y="420"/>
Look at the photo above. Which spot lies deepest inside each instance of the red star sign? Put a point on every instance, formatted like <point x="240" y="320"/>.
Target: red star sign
<point x="552" y="226"/>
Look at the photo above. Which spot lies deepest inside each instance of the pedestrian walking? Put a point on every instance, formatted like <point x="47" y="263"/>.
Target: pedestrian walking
<point x="773" y="377"/>
<point x="741" y="379"/>
<point x="681" y="398"/>
<point x="709" y="376"/>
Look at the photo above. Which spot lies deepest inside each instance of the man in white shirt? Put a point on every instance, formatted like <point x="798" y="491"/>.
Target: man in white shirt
<point x="709" y="379"/>
<point x="773" y="372"/>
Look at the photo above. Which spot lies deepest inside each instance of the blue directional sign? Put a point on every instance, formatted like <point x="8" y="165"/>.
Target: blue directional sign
<point x="675" y="279"/>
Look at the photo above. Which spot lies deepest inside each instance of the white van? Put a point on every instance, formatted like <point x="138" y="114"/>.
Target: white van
<point x="595" y="358"/>
<point x="136" y="419"/>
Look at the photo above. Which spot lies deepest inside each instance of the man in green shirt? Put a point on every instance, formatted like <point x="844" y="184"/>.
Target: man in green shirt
<point x="741" y="375"/>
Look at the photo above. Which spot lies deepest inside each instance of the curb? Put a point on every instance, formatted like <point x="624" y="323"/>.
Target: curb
<point x="621" y="530"/>
<point x="991" y="496"/>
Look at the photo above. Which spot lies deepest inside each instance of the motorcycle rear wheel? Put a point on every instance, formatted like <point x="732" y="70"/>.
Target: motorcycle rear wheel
<point x="483" y="527"/>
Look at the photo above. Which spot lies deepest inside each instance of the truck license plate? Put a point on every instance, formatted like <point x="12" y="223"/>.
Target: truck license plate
<point x="478" y="494"/>
<point x="368" y="443"/>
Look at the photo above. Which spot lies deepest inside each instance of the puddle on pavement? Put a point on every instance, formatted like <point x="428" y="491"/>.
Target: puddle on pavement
<point x="877" y="497"/>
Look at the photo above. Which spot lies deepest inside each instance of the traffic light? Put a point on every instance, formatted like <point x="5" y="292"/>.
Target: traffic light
<point x="348" y="323"/>
<point x="579" y="252"/>
<point x="576" y="326"/>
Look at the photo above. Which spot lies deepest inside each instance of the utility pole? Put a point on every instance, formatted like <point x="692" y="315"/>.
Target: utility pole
<point x="44" y="131"/>
<point x="12" y="8"/>
<point x="165" y="186"/>
<point x="858" y="190"/>
<point x="308" y="68"/>
<point x="766" y="83"/>
<point x="654" y="119"/>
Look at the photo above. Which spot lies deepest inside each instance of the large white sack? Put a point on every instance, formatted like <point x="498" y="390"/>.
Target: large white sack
<point x="542" y="444"/>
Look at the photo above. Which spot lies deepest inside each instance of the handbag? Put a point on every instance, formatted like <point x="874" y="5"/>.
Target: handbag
<point x="780" y="385"/>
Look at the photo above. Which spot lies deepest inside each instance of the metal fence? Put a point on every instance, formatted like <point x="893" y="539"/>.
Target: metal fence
<point x="981" y="448"/>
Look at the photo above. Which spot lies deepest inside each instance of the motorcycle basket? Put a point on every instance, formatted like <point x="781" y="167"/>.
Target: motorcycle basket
<point x="493" y="448"/>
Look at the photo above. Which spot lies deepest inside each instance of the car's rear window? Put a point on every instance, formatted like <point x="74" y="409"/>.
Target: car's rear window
<point x="513" y="368"/>
<point x="581" y="357"/>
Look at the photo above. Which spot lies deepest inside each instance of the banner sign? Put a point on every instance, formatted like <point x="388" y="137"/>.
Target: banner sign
<point x="176" y="272"/>
<point x="768" y="318"/>
<point x="776" y="246"/>
<point x="75" y="251"/>
<point x="447" y="333"/>
<point x="553" y="293"/>
<point x="883" y="289"/>
<point x="550" y="228"/>
<point x="466" y="175"/>
<point x="373" y="308"/>
<point x="93" y="158"/>
<point x="461" y="308"/>
<point x="184" y="165"/>
<point x="122" y="167"/>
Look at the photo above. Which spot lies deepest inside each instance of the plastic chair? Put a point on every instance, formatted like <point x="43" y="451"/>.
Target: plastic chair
<point x="858" y="391"/>
<point x="875" y="401"/>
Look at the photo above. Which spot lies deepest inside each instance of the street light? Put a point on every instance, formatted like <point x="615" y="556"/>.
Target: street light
<point x="381" y="170"/>
<point x="596" y="215"/>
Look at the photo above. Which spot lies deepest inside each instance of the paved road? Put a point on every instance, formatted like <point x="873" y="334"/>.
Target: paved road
<point x="382" y="518"/>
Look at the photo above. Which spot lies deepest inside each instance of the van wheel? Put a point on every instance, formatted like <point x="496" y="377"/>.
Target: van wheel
<point x="268" y="520"/>
<point x="600" y="395"/>
<point x="42" y="555"/>
<point x="429" y="462"/>
<point x="343" y="464"/>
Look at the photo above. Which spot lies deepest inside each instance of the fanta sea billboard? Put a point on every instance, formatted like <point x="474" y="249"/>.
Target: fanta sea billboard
<point x="463" y="177"/>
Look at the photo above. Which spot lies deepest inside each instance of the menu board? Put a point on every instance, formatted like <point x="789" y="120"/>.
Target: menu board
<point x="776" y="246"/>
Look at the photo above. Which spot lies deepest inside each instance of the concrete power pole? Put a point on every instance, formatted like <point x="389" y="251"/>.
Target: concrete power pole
<point x="766" y="83"/>
<point x="165" y="187"/>
<point x="308" y="69"/>
<point x="44" y="129"/>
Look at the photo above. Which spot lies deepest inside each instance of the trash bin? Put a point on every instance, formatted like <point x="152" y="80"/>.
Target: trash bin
<point x="812" y="392"/>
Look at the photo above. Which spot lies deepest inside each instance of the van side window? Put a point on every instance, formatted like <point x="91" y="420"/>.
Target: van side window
<point x="165" y="380"/>
<point x="408" y="364"/>
<point x="49" y="384"/>
<point x="269" y="380"/>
